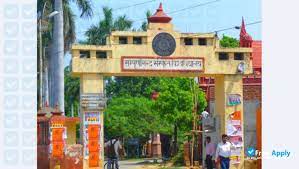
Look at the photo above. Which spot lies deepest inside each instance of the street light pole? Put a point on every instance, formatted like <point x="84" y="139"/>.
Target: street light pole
<point x="41" y="57"/>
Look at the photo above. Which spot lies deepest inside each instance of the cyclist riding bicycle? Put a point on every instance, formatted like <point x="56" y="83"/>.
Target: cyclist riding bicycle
<point x="114" y="147"/>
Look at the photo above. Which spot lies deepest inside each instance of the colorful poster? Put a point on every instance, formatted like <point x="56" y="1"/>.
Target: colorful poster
<point x="90" y="118"/>
<point x="235" y="132"/>
<point x="236" y="116"/>
<point x="233" y="99"/>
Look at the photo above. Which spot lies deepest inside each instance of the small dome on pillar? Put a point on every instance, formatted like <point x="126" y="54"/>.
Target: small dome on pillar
<point x="159" y="16"/>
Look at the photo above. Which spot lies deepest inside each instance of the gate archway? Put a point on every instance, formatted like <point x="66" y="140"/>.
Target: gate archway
<point x="159" y="51"/>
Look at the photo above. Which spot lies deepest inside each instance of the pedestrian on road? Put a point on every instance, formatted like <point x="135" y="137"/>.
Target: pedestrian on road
<point x="223" y="152"/>
<point x="210" y="152"/>
<point x="114" y="147"/>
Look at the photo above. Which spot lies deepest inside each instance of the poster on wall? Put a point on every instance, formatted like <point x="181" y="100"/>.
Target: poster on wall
<point x="235" y="132"/>
<point x="90" y="118"/>
<point x="57" y="137"/>
<point x="233" y="99"/>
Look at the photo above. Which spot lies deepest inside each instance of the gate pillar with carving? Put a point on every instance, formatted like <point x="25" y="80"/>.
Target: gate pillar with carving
<point x="92" y="122"/>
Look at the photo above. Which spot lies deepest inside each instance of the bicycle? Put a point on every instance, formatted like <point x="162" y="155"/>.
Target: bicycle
<point x="111" y="162"/>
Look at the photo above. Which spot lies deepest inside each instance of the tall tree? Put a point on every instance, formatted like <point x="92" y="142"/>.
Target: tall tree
<point x="72" y="93"/>
<point x="69" y="28"/>
<point x="96" y="34"/>
<point x="65" y="29"/>
<point x="145" y="23"/>
<point x="57" y="56"/>
<point x="175" y="104"/>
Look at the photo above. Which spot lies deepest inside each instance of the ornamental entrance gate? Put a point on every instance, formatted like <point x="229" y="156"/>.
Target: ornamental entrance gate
<point x="160" y="51"/>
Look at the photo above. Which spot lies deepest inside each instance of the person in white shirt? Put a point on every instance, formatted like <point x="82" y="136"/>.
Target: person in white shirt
<point x="223" y="152"/>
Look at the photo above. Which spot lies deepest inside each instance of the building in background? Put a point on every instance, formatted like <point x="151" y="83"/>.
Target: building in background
<point x="252" y="90"/>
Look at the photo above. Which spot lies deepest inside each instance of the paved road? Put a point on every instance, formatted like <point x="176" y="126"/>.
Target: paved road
<point x="131" y="164"/>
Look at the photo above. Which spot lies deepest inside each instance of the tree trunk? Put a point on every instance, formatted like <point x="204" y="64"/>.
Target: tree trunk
<point x="72" y="110"/>
<point x="40" y="104"/>
<point x="175" y="141"/>
<point x="46" y="77"/>
<point x="58" y="53"/>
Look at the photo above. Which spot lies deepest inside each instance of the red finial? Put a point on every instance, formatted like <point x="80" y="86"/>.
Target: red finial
<point x="245" y="38"/>
<point x="160" y="7"/>
<point x="243" y="29"/>
<point x="159" y="16"/>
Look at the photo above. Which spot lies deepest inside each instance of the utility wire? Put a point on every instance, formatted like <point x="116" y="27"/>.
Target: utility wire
<point x="235" y="27"/>
<point x="172" y="12"/>
<point x="133" y="5"/>
<point x="129" y="6"/>
<point x="184" y="9"/>
<point x="194" y="6"/>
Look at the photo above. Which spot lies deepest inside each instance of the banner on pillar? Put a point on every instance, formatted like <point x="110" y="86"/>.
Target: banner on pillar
<point x="90" y="118"/>
<point x="234" y="130"/>
<point x="58" y="136"/>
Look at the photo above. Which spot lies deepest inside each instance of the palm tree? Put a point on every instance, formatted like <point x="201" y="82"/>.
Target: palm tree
<point x="96" y="34"/>
<point x="145" y="23"/>
<point x="60" y="37"/>
<point x="57" y="53"/>
<point x="85" y="7"/>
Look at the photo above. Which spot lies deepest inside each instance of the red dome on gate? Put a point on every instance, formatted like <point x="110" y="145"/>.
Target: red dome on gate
<point x="159" y="16"/>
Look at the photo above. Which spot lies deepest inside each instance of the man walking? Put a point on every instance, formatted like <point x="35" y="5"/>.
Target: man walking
<point x="114" y="147"/>
<point x="223" y="152"/>
<point x="210" y="152"/>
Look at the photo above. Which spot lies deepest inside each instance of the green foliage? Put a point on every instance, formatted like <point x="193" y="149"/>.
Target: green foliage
<point x="84" y="6"/>
<point x="178" y="159"/>
<point x="72" y="92"/>
<point x="96" y="34"/>
<point x="145" y="23"/>
<point x="131" y="86"/>
<point x="131" y="117"/>
<point x="175" y="102"/>
<point x="229" y="42"/>
<point x="131" y="113"/>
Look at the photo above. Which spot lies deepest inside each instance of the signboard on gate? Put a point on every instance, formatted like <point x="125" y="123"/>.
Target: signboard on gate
<point x="93" y="101"/>
<point x="180" y="64"/>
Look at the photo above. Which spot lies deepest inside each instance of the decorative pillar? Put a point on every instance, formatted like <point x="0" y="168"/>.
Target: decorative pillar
<point x="92" y="122"/>
<point x="156" y="146"/>
<point x="149" y="149"/>
<point x="229" y="109"/>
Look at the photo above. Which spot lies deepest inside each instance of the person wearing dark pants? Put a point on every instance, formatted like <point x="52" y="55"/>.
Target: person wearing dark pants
<point x="224" y="162"/>
<point x="210" y="152"/>
<point x="223" y="152"/>
<point x="114" y="147"/>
